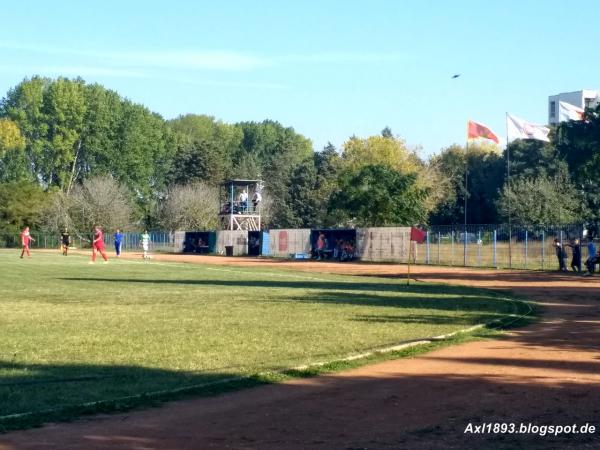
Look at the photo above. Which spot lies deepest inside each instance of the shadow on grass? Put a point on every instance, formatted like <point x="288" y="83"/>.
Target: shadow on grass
<point x="308" y="284"/>
<point x="416" y="296"/>
<point x="31" y="394"/>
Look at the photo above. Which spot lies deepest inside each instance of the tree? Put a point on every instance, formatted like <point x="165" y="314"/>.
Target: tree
<point x="486" y="174"/>
<point x="328" y="164"/>
<point x="102" y="200"/>
<point x="190" y="207"/>
<point x="379" y="150"/>
<point x="13" y="163"/>
<point x="387" y="133"/>
<point x="21" y="204"/>
<point x="10" y="137"/>
<point x="541" y="200"/>
<point x="205" y="149"/>
<point x="531" y="158"/>
<point x="301" y="199"/>
<point x="277" y="151"/>
<point x="578" y="142"/>
<point x="376" y="195"/>
<point x="73" y="130"/>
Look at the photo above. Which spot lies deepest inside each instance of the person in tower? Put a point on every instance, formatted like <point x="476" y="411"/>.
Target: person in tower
<point x="244" y="200"/>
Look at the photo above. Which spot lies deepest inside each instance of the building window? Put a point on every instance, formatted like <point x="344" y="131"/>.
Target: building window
<point x="587" y="102"/>
<point x="552" y="109"/>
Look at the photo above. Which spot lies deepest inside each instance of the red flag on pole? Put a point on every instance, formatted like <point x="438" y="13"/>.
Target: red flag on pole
<point x="477" y="130"/>
<point x="417" y="235"/>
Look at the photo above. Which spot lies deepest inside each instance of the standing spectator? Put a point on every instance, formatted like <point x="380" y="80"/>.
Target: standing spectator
<point x="244" y="200"/>
<point x="98" y="245"/>
<point x="321" y="246"/>
<point x="118" y="242"/>
<point x="26" y="240"/>
<point x="65" y="241"/>
<point x="591" y="264"/>
<point x="256" y="199"/>
<point x="591" y="256"/>
<point x="576" y="260"/>
<point x="146" y="244"/>
<point x="561" y="255"/>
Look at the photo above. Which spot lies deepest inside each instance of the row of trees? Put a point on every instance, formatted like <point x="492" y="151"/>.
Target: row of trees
<point x="73" y="154"/>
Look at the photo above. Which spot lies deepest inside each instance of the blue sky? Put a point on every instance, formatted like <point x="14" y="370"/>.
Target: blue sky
<point x="330" y="69"/>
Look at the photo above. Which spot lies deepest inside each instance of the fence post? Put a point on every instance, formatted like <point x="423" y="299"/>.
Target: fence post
<point x="526" y="243"/>
<point x="427" y="262"/>
<point x="452" y="248"/>
<point x="479" y="245"/>
<point x="495" y="240"/>
<point x="543" y="248"/>
<point x="561" y="238"/>
<point x="439" y="243"/>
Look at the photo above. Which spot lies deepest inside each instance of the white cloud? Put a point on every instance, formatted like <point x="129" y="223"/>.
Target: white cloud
<point x="73" y="71"/>
<point x="223" y="60"/>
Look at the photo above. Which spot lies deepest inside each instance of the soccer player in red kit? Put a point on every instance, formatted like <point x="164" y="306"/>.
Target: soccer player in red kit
<point x="25" y="241"/>
<point x="98" y="244"/>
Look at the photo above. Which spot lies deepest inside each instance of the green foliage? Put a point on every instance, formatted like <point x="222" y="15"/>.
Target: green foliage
<point x="276" y="151"/>
<point x="328" y="164"/>
<point x="205" y="149"/>
<point x="21" y="204"/>
<point x="301" y="199"/>
<point x="486" y="174"/>
<point x="379" y="150"/>
<point x="578" y="142"/>
<point x="532" y="158"/>
<point x="72" y="130"/>
<point x="377" y="195"/>
<point x="10" y="137"/>
<point x="541" y="200"/>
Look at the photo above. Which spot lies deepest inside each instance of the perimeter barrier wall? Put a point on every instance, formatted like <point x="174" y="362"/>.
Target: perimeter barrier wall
<point x="523" y="247"/>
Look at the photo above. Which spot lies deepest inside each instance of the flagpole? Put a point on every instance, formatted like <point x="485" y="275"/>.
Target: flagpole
<point x="466" y="195"/>
<point x="509" y="195"/>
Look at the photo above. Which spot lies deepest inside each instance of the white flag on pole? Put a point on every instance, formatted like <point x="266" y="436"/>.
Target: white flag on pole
<point x="566" y="112"/>
<point x="521" y="129"/>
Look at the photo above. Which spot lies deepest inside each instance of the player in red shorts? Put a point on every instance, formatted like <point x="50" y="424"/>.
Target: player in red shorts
<point x="26" y="239"/>
<point x="98" y="244"/>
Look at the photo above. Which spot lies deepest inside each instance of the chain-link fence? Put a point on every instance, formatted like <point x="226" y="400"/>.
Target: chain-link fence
<point x="159" y="241"/>
<point x="499" y="245"/>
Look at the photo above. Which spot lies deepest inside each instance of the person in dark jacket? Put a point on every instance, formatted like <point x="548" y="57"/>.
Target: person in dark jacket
<point x="561" y="255"/>
<point x="576" y="259"/>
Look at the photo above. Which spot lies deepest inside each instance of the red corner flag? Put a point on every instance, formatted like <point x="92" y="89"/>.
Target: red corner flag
<point x="477" y="130"/>
<point x="417" y="235"/>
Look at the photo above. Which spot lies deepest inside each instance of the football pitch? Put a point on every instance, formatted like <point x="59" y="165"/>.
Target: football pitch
<point x="78" y="338"/>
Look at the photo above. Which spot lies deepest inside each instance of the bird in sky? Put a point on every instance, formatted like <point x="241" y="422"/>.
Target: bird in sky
<point x="455" y="76"/>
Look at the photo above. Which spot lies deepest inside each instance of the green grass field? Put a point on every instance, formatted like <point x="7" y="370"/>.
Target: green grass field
<point x="73" y="333"/>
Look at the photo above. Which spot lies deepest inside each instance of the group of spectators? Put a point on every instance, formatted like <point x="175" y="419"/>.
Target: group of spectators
<point x="241" y="205"/>
<point x="593" y="256"/>
<point x="343" y="250"/>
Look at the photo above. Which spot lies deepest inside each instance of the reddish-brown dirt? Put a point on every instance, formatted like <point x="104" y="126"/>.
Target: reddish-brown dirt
<point x="544" y="374"/>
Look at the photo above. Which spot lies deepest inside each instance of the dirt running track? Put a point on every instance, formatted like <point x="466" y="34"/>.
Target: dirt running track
<point x="544" y="374"/>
